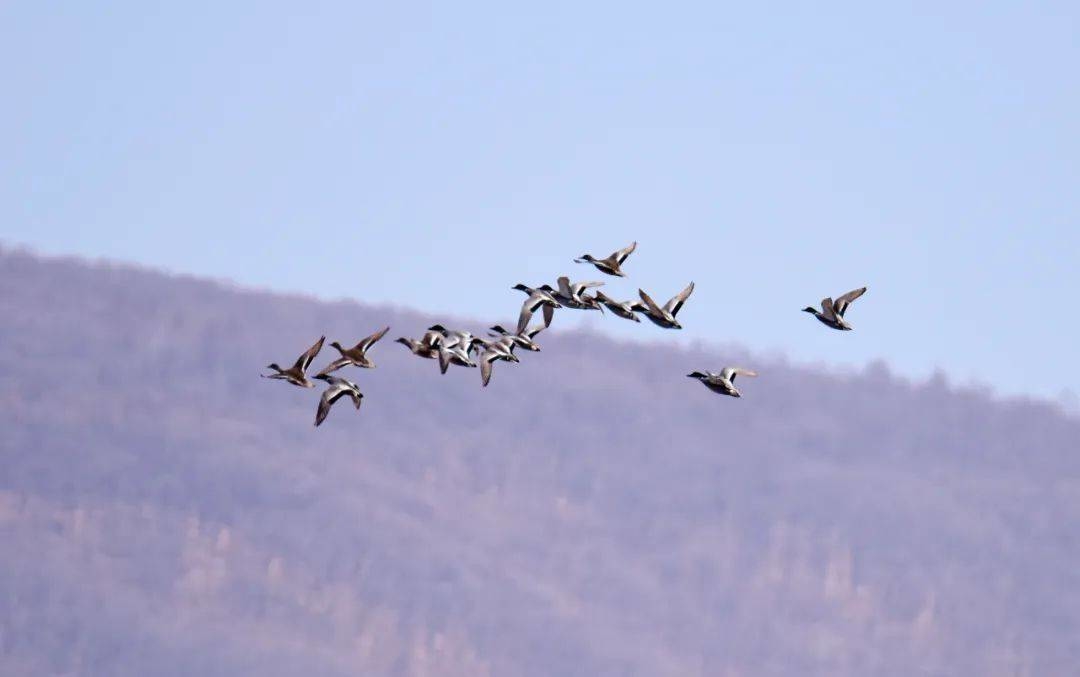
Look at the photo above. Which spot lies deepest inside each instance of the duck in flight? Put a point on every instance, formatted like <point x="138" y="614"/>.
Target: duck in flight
<point x="665" y="316"/>
<point x="540" y="297"/>
<point x="523" y="338"/>
<point x="296" y="374"/>
<point x="573" y="295"/>
<point x="454" y="347"/>
<point x="337" y="389"/>
<point x="832" y="312"/>
<point x="724" y="382"/>
<point x="499" y="349"/>
<point x="426" y="346"/>
<point x="625" y="309"/>
<point x="357" y="355"/>
<point x="612" y="264"/>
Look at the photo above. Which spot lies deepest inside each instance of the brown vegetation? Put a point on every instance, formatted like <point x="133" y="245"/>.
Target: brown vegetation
<point x="593" y="512"/>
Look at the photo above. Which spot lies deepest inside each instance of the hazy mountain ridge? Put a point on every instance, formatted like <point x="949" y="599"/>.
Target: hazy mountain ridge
<point x="591" y="512"/>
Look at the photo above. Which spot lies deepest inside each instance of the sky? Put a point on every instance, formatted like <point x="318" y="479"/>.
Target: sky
<point x="433" y="155"/>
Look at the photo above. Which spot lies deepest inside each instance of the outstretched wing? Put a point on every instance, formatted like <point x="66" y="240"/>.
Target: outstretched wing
<point x="827" y="308"/>
<point x="371" y="340"/>
<point x="678" y="300"/>
<point x="729" y="373"/>
<point x="527" y="309"/>
<point x="335" y="365"/>
<point x="530" y="333"/>
<point x="485" y="368"/>
<point x="357" y="397"/>
<point x="430" y="339"/>
<point x="324" y="405"/>
<point x="564" y="286"/>
<point x="578" y="288"/>
<point x="841" y="304"/>
<point x="444" y="359"/>
<point x="304" y="361"/>
<point x="549" y="312"/>
<point x="650" y="305"/>
<point x="621" y="255"/>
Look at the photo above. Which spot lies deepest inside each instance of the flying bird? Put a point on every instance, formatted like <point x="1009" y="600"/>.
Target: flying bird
<point x="357" y="355"/>
<point x="503" y="344"/>
<point x="624" y="309"/>
<point x="610" y="265"/>
<point x="724" y="382"/>
<point x="454" y="347"/>
<point x="501" y="349"/>
<point x="573" y="295"/>
<point x="454" y="355"/>
<point x="538" y="298"/>
<point x="456" y="338"/>
<point x="832" y="312"/>
<point x="522" y="338"/>
<point x="664" y="317"/>
<point x="296" y="374"/>
<point x="426" y="347"/>
<point x="337" y="389"/>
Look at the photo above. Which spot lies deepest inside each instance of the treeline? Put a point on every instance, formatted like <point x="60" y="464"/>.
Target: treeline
<point x="165" y="511"/>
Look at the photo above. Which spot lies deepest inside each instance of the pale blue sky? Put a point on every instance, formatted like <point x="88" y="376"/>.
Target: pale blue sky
<point x="433" y="155"/>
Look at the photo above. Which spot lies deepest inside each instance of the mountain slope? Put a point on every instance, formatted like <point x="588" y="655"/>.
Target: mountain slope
<point x="592" y="512"/>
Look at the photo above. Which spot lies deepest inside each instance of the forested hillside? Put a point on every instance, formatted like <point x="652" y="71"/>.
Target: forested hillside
<point x="164" y="511"/>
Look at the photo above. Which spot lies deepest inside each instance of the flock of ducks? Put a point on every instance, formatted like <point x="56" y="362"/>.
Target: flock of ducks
<point x="462" y="348"/>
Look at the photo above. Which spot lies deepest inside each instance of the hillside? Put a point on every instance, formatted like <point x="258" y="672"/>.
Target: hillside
<point x="164" y="511"/>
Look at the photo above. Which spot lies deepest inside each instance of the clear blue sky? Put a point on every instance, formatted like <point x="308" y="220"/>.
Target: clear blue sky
<point x="433" y="155"/>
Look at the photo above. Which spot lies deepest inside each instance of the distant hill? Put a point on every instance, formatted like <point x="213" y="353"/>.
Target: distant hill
<point x="164" y="511"/>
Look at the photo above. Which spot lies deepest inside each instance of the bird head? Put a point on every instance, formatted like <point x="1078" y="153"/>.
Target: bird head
<point x="810" y="310"/>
